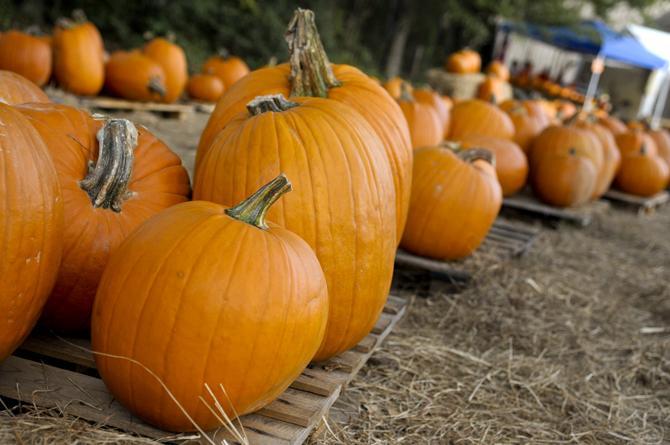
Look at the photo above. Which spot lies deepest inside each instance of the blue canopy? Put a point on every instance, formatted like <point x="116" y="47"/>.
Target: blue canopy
<point x="591" y="37"/>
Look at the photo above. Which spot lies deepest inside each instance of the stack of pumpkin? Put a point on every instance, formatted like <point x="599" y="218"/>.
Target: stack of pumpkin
<point x="76" y="54"/>
<point x="494" y="87"/>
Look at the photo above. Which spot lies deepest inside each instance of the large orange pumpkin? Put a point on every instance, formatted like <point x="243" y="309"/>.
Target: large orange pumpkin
<point x="228" y="68"/>
<point x="564" y="165"/>
<point x="79" y="56"/>
<point x="135" y="176"/>
<point x="642" y="173"/>
<point x="309" y="73"/>
<point x="425" y="126"/>
<point x="134" y="76"/>
<point x="662" y="139"/>
<point x="172" y="59"/>
<point x="510" y="161"/>
<point x="438" y="103"/>
<point x="455" y="199"/>
<point x="32" y="224"/>
<point x="205" y="295"/>
<point x="342" y="204"/>
<point x="611" y="156"/>
<point x="498" y="69"/>
<point x="27" y="55"/>
<point x="477" y="117"/>
<point x="205" y="87"/>
<point x="632" y="141"/>
<point x="16" y="89"/>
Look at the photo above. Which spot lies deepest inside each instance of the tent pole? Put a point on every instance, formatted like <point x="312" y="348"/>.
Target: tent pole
<point x="660" y="102"/>
<point x="592" y="89"/>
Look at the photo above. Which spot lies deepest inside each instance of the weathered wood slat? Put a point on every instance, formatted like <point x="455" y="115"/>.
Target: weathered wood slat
<point x="641" y="204"/>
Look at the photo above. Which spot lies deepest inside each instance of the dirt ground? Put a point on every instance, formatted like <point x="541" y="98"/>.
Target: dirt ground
<point x="567" y="345"/>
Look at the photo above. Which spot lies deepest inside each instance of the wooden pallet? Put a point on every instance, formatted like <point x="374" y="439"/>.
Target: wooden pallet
<point x="50" y="372"/>
<point x="174" y="110"/>
<point x="582" y="216"/>
<point x="640" y="204"/>
<point x="505" y="240"/>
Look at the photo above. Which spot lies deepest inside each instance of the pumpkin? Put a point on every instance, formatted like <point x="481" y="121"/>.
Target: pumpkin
<point x="228" y="68"/>
<point x="172" y="59"/>
<point x="464" y="61"/>
<point x="32" y="224"/>
<point x="205" y="295"/>
<point x="510" y="161"/>
<point x="135" y="176"/>
<point x="613" y="124"/>
<point x="632" y="141"/>
<point x="477" y="117"/>
<point x="611" y="155"/>
<point x="491" y="89"/>
<point x="526" y="125"/>
<point x="342" y="204"/>
<point x="394" y="86"/>
<point x="564" y="165"/>
<point x="662" y="139"/>
<point x="309" y="73"/>
<point x="27" y="55"/>
<point x="79" y="53"/>
<point x="16" y="89"/>
<point x="134" y="76"/>
<point x="642" y="173"/>
<point x="565" y="109"/>
<point x="425" y="126"/>
<point x="455" y="199"/>
<point x="205" y="87"/>
<point x="498" y="69"/>
<point x="438" y="103"/>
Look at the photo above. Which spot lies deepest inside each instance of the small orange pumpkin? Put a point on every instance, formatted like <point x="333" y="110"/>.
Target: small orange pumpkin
<point x="394" y="86"/>
<point x="510" y="161"/>
<point x="228" y="68"/>
<point x="16" y="89"/>
<point x="465" y="61"/>
<point x="632" y="141"/>
<point x="27" y="55"/>
<point x="498" y="69"/>
<point x="425" y="126"/>
<point x="172" y="59"/>
<point x="478" y="117"/>
<point x="526" y="126"/>
<point x="430" y="97"/>
<point x="205" y="87"/>
<point x="134" y="76"/>
<point x="642" y="173"/>
<point x="491" y="89"/>
<point x="455" y="199"/>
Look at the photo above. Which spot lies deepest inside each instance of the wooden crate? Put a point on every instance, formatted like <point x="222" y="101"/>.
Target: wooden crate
<point x="581" y="216"/>
<point x="505" y="240"/>
<point x="640" y="204"/>
<point x="51" y="372"/>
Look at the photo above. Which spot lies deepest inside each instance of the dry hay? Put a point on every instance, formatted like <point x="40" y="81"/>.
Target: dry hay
<point x="569" y="345"/>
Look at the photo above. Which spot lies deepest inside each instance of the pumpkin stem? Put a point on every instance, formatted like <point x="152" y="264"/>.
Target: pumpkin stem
<point x="253" y="209"/>
<point x="477" y="154"/>
<point x="405" y="92"/>
<point x="107" y="183"/>
<point x="78" y="18"/>
<point x="311" y="71"/>
<point x="223" y="53"/>
<point x="156" y="86"/>
<point x="272" y="102"/>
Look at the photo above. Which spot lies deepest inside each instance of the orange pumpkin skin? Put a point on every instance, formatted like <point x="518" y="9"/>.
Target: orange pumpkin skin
<point x="499" y="70"/>
<point x="26" y="55"/>
<point x="158" y="181"/>
<point x="328" y="150"/>
<point x="510" y="161"/>
<point x="134" y="76"/>
<point x="464" y="61"/>
<point x="438" y="103"/>
<point x="205" y="87"/>
<point x="394" y="86"/>
<point x="491" y="89"/>
<point x="611" y="156"/>
<point x="16" y="89"/>
<point x="453" y="205"/>
<point x="613" y="124"/>
<point x="79" y="54"/>
<point x="563" y="168"/>
<point x="642" y="174"/>
<point x="662" y="139"/>
<point x="526" y="126"/>
<point x="32" y="224"/>
<point x="477" y="117"/>
<point x="425" y="127"/>
<point x="632" y="141"/>
<point x="201" y="298"/>
<point x="229" y="69"/>
<point x="172" y="59"/>
<point x="356" y="90"/>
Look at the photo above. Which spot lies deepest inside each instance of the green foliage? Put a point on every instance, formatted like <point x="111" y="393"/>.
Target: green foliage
<point x="353" y="31"/>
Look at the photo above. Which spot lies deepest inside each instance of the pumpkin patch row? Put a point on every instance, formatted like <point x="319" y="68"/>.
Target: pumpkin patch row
<point x="76" y="56"/>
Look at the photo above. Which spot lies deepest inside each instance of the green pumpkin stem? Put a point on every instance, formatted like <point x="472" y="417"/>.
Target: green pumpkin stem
<point x="311" y="71"/>
<point x="253" y="209"/>
<point x="470" y="154"/>
<point x="272" y="102"/>
<point x="107" y="182"/>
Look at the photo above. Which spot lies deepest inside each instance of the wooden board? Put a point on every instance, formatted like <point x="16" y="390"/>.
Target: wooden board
<point x="30" y="378"/>
<point x="582" y="216"/>
<point x="640" y="204"/>
<point x="505" y="240"/>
